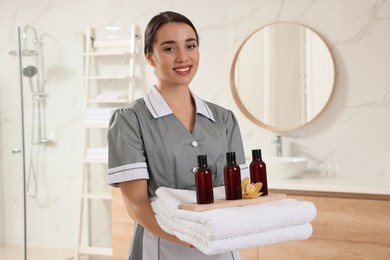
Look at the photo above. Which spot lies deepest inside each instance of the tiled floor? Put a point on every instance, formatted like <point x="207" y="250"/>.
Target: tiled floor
<point x="16" y="253"/>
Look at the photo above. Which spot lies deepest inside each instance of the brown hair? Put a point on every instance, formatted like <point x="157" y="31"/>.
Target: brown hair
<point x="157" y="21"/>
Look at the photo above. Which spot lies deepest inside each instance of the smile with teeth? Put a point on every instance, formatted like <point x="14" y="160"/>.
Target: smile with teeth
<point x="182" y="69"/>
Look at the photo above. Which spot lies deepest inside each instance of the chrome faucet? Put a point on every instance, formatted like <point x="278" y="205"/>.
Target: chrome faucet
<point x="279" y="146"/>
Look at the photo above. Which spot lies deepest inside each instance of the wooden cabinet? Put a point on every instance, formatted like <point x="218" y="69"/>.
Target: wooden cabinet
<point x="122" y="227"/>
<point x="346" y="227"/>
<point x="249" y="254"/>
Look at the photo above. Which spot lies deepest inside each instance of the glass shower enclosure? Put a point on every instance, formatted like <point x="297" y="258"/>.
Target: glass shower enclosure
<point x="41" y="107"/>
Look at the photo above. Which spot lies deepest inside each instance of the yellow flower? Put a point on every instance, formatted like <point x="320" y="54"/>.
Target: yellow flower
<point x="250" y="190"/>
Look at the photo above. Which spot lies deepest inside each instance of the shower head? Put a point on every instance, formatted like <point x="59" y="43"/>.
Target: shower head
<point x="25" y="52"/>
<point x="29" y="71"/>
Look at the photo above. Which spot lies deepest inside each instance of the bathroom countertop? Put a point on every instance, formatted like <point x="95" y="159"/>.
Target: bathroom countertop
<point x="360" y="185"/>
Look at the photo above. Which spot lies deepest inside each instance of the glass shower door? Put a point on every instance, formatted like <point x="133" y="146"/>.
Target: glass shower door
<point x="42" y="106"/>
<point x="12" y="198"/>
<point x="41" y="99"/>
<point x="51" y="72"/>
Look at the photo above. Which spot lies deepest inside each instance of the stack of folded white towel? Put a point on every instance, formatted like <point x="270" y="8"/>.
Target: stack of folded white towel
<point x="99" y="153"/>
<point x="226" y="229"/>
<point x="103" y="97"/>
<point x="99" y="115"/>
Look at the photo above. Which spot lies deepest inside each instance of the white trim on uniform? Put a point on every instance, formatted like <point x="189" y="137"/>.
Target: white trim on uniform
<point x="128" y="172"/>
<point x="158" y="107"/>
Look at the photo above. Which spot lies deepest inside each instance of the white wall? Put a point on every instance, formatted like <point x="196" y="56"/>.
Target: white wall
<point x="352" y="133"/>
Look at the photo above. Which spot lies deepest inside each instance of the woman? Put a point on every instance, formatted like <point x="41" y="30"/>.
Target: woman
<point x="154" y="142"/>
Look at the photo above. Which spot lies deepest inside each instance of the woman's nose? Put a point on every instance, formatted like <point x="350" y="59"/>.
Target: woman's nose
<point x="181" y="55"/>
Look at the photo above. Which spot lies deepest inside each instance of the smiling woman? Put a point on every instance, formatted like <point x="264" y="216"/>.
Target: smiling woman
<point x="154" y="141"/>
<point x="175" y="57"/>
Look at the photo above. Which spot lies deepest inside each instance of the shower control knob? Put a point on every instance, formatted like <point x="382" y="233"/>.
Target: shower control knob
<point x="30" y="71"/>
<point x="16" y="150"/>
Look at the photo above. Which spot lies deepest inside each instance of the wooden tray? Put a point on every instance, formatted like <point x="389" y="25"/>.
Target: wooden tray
<point x="232" y="203"/>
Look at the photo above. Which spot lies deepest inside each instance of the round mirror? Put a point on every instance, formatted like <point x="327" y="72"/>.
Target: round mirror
<point x="282" y="76"/>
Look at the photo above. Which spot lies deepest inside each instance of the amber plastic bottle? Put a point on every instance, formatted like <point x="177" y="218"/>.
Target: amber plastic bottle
<point x="203" y="182"/>
<point x="232" y="175"/>
<point x="258" y="171"/>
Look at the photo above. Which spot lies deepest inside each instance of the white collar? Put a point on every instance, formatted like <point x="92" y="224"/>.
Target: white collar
<point x="158" y="107"/>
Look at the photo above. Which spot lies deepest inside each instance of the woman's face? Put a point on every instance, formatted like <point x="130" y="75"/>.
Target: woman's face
<point x="175" y="54"/>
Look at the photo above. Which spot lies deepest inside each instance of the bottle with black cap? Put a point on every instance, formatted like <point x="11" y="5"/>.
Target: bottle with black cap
<point x="258" y="171"/>
<point x="232" y="176"/>
<point x="203" y="182"/>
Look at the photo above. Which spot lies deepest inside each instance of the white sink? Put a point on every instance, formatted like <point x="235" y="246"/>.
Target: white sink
<point x="284" y="167"/>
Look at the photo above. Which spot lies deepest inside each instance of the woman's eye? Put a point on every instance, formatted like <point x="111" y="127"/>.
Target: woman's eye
<point x="192" y="46"/>
<point x="169" y="49"/>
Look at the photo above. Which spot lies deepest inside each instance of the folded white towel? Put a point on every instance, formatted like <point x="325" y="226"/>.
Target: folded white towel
<point x="100" y="111"/>
<point x="98" y="122"/>
<point x="226" y="229"/>
<point x="210" y="247"/>
<point x="236" y="221"/>
<point x="110" y="97"/>
<point x="98" y="117"/>
<point x="98" y="150"/>
<point x="192" y="228"/>
<point x="275" y="236"/>
<point x="230" y="222"/>
<point x="174" y="197"/>
<point x="96" y="157"/>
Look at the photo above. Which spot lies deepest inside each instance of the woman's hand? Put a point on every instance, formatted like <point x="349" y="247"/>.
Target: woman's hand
<point x="135" y="197"/>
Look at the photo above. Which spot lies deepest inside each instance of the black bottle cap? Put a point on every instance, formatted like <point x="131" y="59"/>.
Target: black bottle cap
<point x="202" y="160"/>
<point x="231" y="157"/>
<point x="256" y="154"/>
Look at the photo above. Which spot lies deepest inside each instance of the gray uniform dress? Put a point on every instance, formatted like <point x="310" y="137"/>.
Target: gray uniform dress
<point x="146" y="141"/>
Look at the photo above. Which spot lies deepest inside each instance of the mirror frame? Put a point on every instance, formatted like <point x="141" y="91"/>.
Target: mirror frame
<point x="241" y="105"/>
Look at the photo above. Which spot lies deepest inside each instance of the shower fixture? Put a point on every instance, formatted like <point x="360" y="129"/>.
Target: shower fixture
<point x="30" y="71"/>
<point x="24" y="53"/>
<point x="31" y="52"/>
<point x="36" y="41"/>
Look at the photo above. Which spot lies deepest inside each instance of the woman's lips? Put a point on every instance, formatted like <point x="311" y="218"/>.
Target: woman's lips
<point x="183" y="70"/>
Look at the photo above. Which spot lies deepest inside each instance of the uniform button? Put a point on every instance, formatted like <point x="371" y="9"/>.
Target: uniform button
<point x="194" y="169"/>
<point x="194" y="143"/>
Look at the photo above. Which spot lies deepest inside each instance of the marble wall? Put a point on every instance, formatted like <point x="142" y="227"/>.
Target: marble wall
<point x="349" y="138"/>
